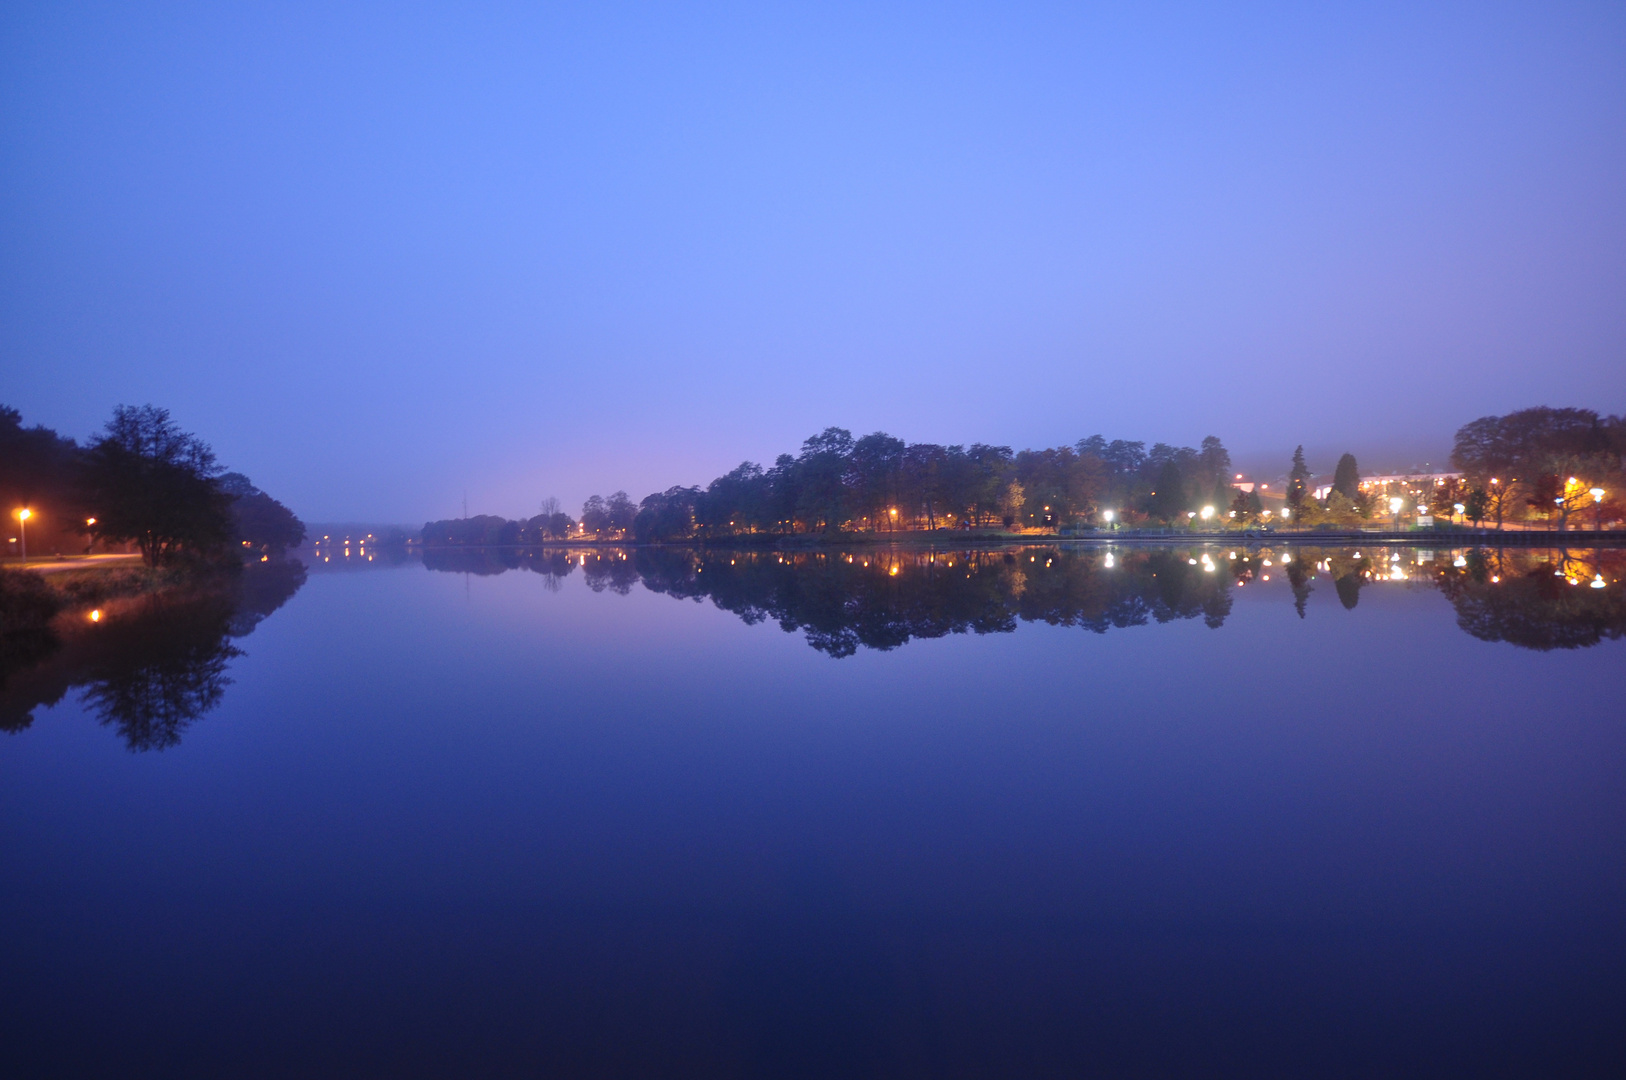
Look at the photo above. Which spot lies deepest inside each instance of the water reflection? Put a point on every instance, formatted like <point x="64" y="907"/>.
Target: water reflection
<point x="147" y="666"/>
<point x="880" y="598"/>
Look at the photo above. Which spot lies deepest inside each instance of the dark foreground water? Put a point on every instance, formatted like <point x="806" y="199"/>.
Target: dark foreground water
<point x="1018" y="814"/>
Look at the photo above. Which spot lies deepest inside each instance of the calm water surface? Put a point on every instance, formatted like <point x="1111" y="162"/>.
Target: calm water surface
<point x="1001" y="813"/>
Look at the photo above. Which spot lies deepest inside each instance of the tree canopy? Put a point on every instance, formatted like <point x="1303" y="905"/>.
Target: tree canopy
<point x="148" y="482"/>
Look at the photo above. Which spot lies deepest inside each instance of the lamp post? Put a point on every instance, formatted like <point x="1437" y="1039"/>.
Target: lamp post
<point x="1597" y="509"/>
<point x="1106" y="515"/>
<point x="22" y="528"/>
<point x="1395" y="503"/>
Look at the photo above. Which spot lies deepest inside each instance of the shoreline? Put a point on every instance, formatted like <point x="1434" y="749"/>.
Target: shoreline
<point x="1455" y="538"/>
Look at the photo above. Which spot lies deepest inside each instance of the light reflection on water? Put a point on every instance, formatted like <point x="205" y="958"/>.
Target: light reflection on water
<point x="1029" y="811"/>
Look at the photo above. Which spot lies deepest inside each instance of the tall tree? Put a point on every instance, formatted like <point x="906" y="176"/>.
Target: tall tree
<point x="37" y="468"/>
<point x="1168" y="498"/>
<point x="1346" y="479"/>
<point x="147" y="481"/>
<point x="875" y="469"/>
<point x="1298" y="480"/>
<point x="1213" y="464"/>
<point x="822" y="499"/>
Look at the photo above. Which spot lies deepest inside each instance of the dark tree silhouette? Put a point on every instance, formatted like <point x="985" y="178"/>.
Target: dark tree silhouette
<point x="1168" y="498"/>
<point x="259" y="521"/>
<point x="1298" y="480"/>
<point x="147" y="481"/>
<point x="1346" y="478"/>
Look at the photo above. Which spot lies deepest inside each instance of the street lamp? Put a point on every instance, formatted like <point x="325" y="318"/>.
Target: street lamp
<point x="22" y="525"/>
<point x="1208" y="512"/>
<point x="1395" y="503"/>
<point x="1106" y="516"/>
<point x="1597" y="508"/>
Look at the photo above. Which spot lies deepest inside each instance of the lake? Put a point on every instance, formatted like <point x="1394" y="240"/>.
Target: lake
<point x="1028" y="812"/>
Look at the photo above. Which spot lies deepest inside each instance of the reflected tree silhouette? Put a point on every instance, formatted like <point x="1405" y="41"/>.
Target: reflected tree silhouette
<point x="155" y="663"/>
<point x="880" y="598"/>
<point x="1541" y="600"/>
<point x="169" y="670"/>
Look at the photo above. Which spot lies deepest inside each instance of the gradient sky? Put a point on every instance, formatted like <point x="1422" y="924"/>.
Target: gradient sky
<point x="379" y="255"/>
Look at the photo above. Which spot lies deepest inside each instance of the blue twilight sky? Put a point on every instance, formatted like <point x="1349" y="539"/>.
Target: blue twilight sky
<point x="382" y="254"/>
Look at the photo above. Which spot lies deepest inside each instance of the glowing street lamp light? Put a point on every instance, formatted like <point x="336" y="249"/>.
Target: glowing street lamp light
<point x="1208" y="512"/>
<point x="1395" y="503"/>
<point x="22" y="525"/>
<point x="1597" y="508"/>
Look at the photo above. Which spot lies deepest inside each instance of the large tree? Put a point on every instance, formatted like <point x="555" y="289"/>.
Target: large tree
<point x="1528" y="457"/>
<point x="259" y="521"/>
<point x="1168" y="498"/>
<point x="1298" y="480"/>
<point x="37" y="467"/>
<point x="147" y="481"/>
<point x="1346" y="479"/>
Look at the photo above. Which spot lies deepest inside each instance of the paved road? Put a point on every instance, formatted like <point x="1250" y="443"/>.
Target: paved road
<point x="52" y="564"/>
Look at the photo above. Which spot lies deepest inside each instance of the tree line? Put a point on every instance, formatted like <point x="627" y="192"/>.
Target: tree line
<point x="881" y="484"/>
<point x="141" y="481"/>
<point x="1515" y="466"/>
<point x="1543" y="464"/>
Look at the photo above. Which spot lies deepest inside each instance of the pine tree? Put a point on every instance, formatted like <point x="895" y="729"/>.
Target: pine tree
<point x="1298" y="480"/>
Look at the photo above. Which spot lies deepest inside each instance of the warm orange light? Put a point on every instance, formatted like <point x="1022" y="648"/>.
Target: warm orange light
<point x="96" y="615"/>
<point x="24" y="514"/>
<point x="90" y="521"/>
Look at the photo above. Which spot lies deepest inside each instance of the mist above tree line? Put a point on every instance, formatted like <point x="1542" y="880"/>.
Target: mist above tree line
<point x="1536" y="462"/>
